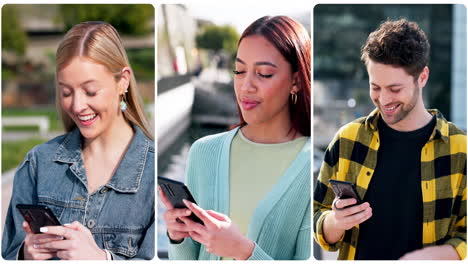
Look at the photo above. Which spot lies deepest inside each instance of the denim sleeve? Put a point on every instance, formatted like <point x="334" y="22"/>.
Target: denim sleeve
<point x="146" y="251"/>
<point x="24" y="192"/>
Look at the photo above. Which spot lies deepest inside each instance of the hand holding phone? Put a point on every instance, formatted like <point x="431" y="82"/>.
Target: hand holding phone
<point x="345" y="190"/>
<point x="176" y="192"/>
<point x="348" y="213"/>
<point x="37" y="216"/>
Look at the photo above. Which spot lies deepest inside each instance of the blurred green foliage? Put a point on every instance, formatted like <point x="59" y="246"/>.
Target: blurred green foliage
<point x="50" y="112"/>
<point x="142" y="62"/>
<point x="17" y="150"/>
<point x="216" y="38"/>
<point x="13" y="36"/>
<point x="129" y="19"/>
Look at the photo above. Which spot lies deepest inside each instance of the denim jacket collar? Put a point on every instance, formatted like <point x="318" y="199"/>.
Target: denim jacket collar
<point x="124" y="179"/>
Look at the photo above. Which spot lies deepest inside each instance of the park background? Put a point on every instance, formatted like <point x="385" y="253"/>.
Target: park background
<point x="30" y="36"/>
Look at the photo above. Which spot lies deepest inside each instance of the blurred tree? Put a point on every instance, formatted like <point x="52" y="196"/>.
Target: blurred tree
<point x="216" y="38"/>
<point x="13" y="36"/>
<point x="129" y="19"/>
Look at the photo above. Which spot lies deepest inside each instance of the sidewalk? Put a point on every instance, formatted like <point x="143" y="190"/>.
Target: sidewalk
<point x="7" y="188"/>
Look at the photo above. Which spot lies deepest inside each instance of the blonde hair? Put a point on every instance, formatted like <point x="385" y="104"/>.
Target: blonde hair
<point x="101" y="43"/>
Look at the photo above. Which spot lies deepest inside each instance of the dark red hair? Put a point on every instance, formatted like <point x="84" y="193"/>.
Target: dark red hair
<point x="293" y="42"/>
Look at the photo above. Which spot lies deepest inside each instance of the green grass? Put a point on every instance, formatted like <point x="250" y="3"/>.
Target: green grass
<point x="13" y="153"/>
<point x="50" y="112"/>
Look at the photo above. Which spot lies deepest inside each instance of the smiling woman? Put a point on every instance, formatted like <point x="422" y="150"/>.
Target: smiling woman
<point x="100" y="170"/>
<point x="252" y="183"/>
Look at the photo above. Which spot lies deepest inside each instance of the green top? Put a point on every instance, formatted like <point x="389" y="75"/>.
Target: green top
<point x="281" y="224"/>
<point x="254" y="169"/>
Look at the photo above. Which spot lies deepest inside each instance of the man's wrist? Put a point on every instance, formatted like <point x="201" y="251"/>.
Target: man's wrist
<point x="331" y="233"/>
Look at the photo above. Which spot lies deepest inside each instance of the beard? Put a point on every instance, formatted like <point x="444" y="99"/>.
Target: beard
<point x="405" y="108"/>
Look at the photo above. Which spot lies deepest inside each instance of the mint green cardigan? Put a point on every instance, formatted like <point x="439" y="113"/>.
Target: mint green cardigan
<point x="280" y="225"/>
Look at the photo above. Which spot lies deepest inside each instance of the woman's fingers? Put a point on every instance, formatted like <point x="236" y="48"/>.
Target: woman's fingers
<point x="171" y="215"/>
<point x="42" y="256"/>
<point x="178" y="227"/>
<point x="58" y="231"/>
<point x="218" y="216"/>
<point x="198" y="237"/>
<point x="198" y="211"/>
<point x="58" y="245"/>
<point x="178" y="235"/>
<point x="164" y="199"/>
<point x="26" y="227"/>
<point x="193" y="226"/>
<point x="44" y="238"/>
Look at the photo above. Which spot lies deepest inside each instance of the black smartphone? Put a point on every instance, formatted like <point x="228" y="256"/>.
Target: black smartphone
<point x="345" y="190"/>
<point x="37" y="216"/>
<point x="176" y="191"/>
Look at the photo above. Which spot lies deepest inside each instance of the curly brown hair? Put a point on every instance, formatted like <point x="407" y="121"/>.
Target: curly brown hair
<point x="400" y="43"/>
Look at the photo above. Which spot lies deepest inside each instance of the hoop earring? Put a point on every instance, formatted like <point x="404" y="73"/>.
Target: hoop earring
<point x="294" y="98"/>
<point x="123" y="104"/>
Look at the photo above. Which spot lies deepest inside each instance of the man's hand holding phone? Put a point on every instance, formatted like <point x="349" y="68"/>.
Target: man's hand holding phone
<point x="341" y="219"/>
<point x="346" y="212"/>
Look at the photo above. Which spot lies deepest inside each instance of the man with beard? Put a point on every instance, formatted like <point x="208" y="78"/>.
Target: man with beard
<point x="408" y="163"/>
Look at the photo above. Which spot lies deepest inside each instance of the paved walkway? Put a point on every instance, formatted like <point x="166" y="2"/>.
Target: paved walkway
<point x="7" y="186"/>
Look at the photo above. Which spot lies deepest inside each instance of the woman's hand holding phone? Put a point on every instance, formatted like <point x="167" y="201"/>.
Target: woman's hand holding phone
<point x="176" y="229"/>
<point x="219" y="234"/>
<point x="31" y="250"/>
<point x="78" y="242"/>
<point x="341" y="219"/>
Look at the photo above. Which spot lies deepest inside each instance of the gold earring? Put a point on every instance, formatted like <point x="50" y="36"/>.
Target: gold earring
<point x="294" y="98"/>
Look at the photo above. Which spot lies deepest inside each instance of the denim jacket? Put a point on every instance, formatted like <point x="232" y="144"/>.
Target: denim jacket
<point x="120" y="214"/>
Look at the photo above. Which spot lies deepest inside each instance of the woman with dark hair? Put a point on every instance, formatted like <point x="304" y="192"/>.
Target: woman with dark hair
<point x="252" y="183"/>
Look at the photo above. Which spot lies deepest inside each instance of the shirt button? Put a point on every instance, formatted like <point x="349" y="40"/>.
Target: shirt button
<point x="368" y="173"/>
<point x="103" y="190"/>
<point x="91" y="223"/>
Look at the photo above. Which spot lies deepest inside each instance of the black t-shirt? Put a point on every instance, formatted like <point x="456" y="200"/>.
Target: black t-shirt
<point x="395" y="196"/>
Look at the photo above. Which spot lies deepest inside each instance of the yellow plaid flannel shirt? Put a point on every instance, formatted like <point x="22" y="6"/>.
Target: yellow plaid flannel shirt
<point x="352" y="156"/>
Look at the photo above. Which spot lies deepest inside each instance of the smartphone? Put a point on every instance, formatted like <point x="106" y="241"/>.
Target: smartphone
<point x="176" y="191"/>
<point x="345" y="190"/>
<point x="37" y="216"/>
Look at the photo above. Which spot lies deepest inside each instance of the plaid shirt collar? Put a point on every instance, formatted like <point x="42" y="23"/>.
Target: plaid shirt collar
<point x="441" y="129"/>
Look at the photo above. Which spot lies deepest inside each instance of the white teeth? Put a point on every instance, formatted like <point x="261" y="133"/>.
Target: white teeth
<point x="390" y="109"/>
<point x="87" y="117"/>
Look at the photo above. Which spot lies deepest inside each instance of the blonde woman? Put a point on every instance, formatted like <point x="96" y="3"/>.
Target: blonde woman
<point x="98" y="178"/>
